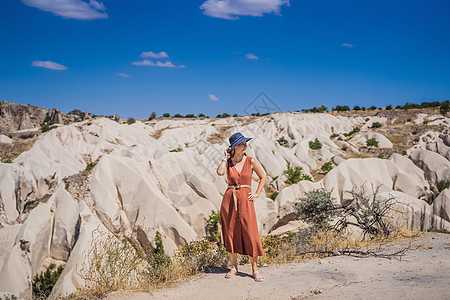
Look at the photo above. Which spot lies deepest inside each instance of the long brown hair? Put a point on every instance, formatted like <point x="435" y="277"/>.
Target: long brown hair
<point x="234" y="151"/>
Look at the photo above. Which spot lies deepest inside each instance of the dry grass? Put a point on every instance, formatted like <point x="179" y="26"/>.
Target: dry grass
<point x="158" y="133"/>
<point x="9" y="152"/>
<point x="218" y="137"/>
<point x="117" y="265"/>
<point x="307" y="244"/>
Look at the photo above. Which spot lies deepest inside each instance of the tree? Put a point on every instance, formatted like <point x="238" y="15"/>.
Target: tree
<point x="372" y="142"/>
<point x="327" y="167"/>
<point x="152" y="116"/>
<point x="389" y="107"/>
<point x="201" y="115"/>
<point x="43" y="283"/>
<point x="445" y="107"/>
<point x="339" y="108"/>
<point x="368" y="211"/>
<point x="356" y="107"/>
<point x="376" y="125"/>
<point x="316" y="208"/>
<point x="166" y="115"/>
<point x="295" y="174"/>
<point x="76" y="112"/>
<point x="316" y="145"/>
<point x="45" y="128"/>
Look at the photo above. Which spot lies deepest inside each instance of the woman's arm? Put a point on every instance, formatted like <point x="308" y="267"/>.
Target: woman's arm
<point x="262" y="179"/>
<point x="221" y="169"/>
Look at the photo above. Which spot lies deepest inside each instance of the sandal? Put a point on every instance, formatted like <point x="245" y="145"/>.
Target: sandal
<point x="257" y="276"/>
<point x="231" y="274"/>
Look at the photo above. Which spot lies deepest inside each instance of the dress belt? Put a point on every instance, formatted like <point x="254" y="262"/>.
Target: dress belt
<point x="234" y="187"/>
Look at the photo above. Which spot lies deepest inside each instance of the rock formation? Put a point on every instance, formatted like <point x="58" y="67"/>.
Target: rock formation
<point x="118" y="179"/>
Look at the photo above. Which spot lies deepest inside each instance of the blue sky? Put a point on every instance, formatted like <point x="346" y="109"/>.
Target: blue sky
<point x="134" y="57"/>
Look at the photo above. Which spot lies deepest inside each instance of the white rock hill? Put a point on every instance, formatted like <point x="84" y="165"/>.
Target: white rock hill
<point x="50" y="205"/>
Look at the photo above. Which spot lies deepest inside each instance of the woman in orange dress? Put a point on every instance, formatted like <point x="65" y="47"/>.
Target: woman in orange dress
<point x="237" y="211"/>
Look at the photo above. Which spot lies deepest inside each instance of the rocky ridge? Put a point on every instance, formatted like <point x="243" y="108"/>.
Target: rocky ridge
<point x="100" y="175"/>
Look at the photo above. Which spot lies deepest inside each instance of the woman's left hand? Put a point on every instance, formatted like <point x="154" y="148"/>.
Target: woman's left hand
<point x="252" y="197"/>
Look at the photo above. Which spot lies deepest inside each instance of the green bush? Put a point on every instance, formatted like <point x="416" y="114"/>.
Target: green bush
<point x="295" y="174"/>
<point x="166" y="115"/>
<point x="90" y="166"/>
<point x="43" y="283"/>
<point x="340" y="108"/>
<point x="161" y="260"/>
<point x="368" y="211"/>
<point x="316" y="207"/>
<point x="372" y="142"/>
<point x="45" y="128"/>
<point x="334" y="135"/>
<point x="176" y="150"/>
<point x="444" y="107"/>
<point x="273" y="195"/>
<point x="201" y="115"/>
<point x="320" y="109"/>
<point x="178" y="116"/>
<point x="196" y="256"/>
<point x="224" y="115"/>
<point x="131" y="121"/>
<point x="327" y="167"/>
<point x="190" y="116"/>
<point x="212" y="226"/>
<point x="442" y="185"/>
<point x="75" y="112"/>
<point x="376" y="125"/>
<point x="316" y="145"/>
<point x="283" y="142"/>
<point x="354" y="130"/>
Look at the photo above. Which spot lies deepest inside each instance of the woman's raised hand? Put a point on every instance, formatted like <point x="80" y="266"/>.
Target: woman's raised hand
<point x="227" y="154"/>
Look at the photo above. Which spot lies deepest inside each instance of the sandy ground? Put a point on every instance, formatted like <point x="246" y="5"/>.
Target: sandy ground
<point x="422" y="273"/>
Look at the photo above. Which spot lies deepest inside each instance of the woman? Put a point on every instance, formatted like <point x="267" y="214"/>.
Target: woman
<point x="237" y="211"/>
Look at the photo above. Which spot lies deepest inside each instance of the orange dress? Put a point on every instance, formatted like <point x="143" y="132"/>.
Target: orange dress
<point x="239" y="228"/>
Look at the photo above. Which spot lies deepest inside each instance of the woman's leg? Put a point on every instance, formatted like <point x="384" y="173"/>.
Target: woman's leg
<point x="233" y="271"/>
<point x="254" y="261"/>
<point x="255" y="273"/>
<point x="233" y="258"/>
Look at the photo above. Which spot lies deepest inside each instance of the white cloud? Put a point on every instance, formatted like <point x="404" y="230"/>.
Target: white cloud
<point x="151" y="54"/>
<point x="348" y="45"/>
<point x="232" y="9"/>
<point x="97" y="5"/>
<point x="48" y="65"/>
<point x="72" y="9"/>
<point x="251" y="56"/>
<point x="213" y="98"/>
<point x="166" y="64"/>
<point x="123" y="75"/>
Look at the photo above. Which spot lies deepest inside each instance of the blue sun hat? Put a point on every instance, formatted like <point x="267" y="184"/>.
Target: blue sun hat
<point x="236" y="139"/>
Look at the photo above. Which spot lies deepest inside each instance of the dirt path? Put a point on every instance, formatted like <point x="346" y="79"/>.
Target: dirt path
<point x="423" y="273"/>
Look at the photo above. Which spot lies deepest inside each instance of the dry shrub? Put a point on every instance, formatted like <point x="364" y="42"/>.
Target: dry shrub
<point x="197" y="256"/>
<point x="112" y="264"/>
